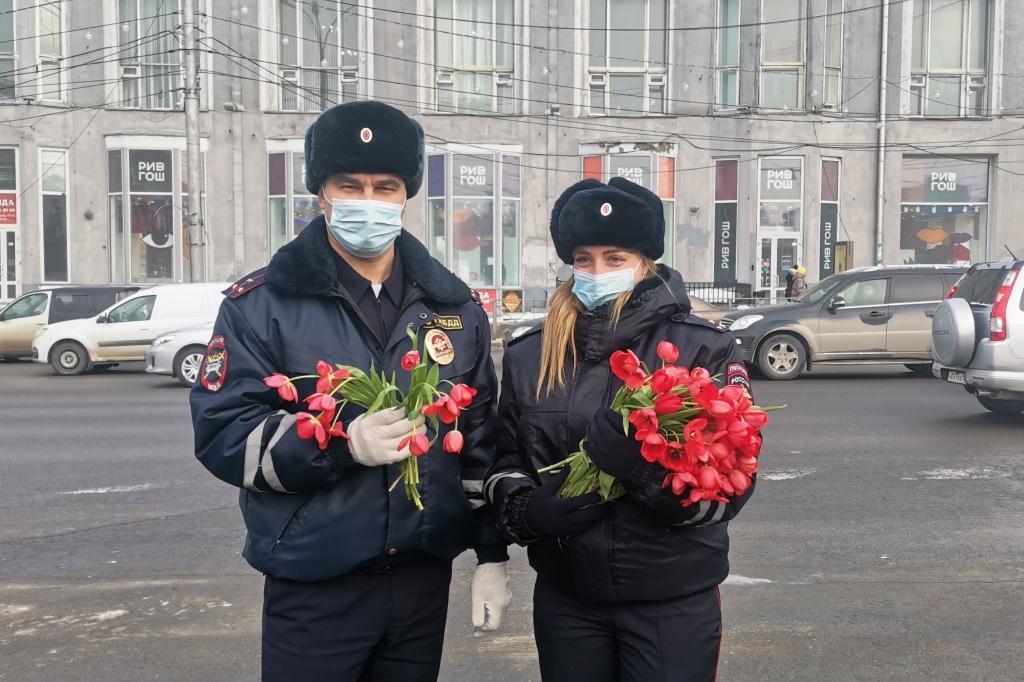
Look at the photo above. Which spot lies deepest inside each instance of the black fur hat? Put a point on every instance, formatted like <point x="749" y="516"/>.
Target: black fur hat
<point x="621" y="213"/>
<point x="364" y="137"/>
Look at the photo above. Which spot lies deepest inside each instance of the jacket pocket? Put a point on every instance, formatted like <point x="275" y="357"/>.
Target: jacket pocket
<point x="292" y="515"/>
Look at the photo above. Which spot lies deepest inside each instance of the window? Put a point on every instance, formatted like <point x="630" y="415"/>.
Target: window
<point x="728" y="53"/>
<point x="136" y="310"/>
<point x="9" y="266"/>
<point x="319" y="53"/>
<point x="627" y="72"/>
<point x="7" y="60"/>
<point x="479" y="236"/>
<point x="656" y="172"/>
<point x="473" y="56"/>
<point x="944" y="210"/>
<point x="29" y="306"/>
<point x="949" y="58"/>
<point x="53" y="181"/>
<point x="286" y="187"/>
<point x="917" y="288"/>
<point x="833" y="53"/>
<point x="148" y="198"/>
<point x="783" y="43"/>
<point x="981" y="285"/>
<point x="866" y="292"/>
<point x="51" y="51"/>
<point x="781" y="188"/>
<point x="151" y="75"/>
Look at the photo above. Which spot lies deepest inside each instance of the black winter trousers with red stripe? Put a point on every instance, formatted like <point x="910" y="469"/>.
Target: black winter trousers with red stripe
<point x="677" y="639"/>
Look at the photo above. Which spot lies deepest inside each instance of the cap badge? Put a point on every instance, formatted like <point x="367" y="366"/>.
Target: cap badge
<point x="606" y="209"/>
<point x="366" y="135"/>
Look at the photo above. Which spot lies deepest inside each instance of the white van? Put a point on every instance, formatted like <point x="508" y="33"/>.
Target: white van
<point x="124" y="331"/>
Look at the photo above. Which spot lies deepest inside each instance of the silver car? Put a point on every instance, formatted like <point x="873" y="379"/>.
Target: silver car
<point x="180" y="353"/>
<point x="978" y="336"/>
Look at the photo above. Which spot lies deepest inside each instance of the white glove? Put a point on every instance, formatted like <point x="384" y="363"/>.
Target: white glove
<point x="373" y="438"/>
<point x="491" y="595"/>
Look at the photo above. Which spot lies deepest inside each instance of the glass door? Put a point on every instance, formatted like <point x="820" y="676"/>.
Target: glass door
<point x="777" y="255"/>
<point x="8" y="265"/>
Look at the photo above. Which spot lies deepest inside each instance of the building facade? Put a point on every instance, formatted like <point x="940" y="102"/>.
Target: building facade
<point x="760" y="123"/>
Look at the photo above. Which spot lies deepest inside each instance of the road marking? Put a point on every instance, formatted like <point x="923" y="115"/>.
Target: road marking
<point x="113" y="489"/>
<point x="734" y="579"/>
<point x="968" y="473"/>
<point x="13" y="609"/>
<point x="107" y="615"/>
<point x="786" y="474"/>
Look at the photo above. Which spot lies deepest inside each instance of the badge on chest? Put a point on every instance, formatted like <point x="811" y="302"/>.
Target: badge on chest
<point x="439" y="347"/>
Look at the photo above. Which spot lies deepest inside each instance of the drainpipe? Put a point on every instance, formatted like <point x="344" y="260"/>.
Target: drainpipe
<point x="882" y="91"/>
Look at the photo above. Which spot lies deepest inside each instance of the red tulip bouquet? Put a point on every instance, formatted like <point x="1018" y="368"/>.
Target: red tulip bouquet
<point x="341" y="384"/>
<point x="707" y="438"/>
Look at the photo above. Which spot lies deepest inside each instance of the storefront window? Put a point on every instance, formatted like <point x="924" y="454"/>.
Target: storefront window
<point x="152" y="249"/>
<point x="944" y="210"/>
<point x="781" y="186"/>
<point x="286" y="191"/>
<point x="53" y="183"/>
<point x="656" y="172"/>
<point x="479" y="236"/>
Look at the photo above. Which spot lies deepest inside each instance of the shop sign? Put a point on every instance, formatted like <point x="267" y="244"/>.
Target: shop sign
<point x="8" y="209"/>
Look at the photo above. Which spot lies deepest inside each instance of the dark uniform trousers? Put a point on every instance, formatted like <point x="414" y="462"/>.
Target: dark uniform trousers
<point x="380" y="625"/>
<point x="676" y="639"/>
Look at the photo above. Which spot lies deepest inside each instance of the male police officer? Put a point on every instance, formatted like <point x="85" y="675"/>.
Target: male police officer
<point x="356" y="578"/>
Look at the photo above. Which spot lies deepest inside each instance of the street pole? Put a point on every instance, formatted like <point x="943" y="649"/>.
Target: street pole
<point x="882" y="92"/>
<point x="195" y="230"/>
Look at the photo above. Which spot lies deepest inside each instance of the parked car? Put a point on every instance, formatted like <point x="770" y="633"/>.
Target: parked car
<point x="21" y="320"/>
<point x="180" y="353"/>
<point x="978" y="336"/>
<point x="872" y="315"/>
<point x="124" y="331"/>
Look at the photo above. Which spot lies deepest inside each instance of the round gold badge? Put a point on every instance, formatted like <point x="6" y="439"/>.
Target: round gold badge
<point x="439" y="347"/>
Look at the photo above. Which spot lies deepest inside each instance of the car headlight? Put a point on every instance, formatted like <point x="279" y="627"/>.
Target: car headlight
<point x="744" y="322"/>
<point x="163" y="339"/>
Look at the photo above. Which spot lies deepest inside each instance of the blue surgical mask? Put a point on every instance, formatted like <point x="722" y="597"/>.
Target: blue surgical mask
<point x="365" y="228"/>
<point x="596" y="290"/>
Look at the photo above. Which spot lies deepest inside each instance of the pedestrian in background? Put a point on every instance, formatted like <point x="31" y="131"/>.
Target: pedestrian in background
<point x="357" y="578"/>
<point x="625" y="590"/>
<point x="799" y="282"/>
<point x="790" y="275"/>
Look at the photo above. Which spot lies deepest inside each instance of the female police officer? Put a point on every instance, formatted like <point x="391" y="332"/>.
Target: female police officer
<point x="626" y="590"/>
<point x="357" y="578"/>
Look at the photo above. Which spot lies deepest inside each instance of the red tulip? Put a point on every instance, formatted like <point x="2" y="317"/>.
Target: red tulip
<point x="418" y="444"/>
<point x="309" y="427"/>
<point x="444" y="408"/>
<point x="462" y="395"/>
<point x="668" y="403"/>
<point x="654" y="447"/>
<point x="320" y="402"/>
<point x="453" y="442"/>
<point x="645" y="420"/>
<point x="410" y="360"/>
<point x="337" y="430"/>
<point x="740" y="481"/>
<point x="626" y="367"/>
<point x="668" y="352"/>
<point x="708" y="478"/>
<point x="285" y="388"/>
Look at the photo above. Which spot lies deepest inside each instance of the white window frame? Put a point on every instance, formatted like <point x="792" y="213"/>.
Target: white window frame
<point x="42" y="217"/>
<point x="836" y="71"/>
<point x="445" y="75"/>
<point x="288" y="147"/>
<point x="774" y="229"/>
<point x="52" y="61"/>
<point x="13" y="56"/>
<point x="971" y="80"/>
<point x="800" y="68"/>
<point x="720" y="69"/>
<point x="653" y="75"/>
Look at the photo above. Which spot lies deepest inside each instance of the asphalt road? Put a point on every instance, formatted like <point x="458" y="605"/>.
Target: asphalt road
<point x="885" y="541"/>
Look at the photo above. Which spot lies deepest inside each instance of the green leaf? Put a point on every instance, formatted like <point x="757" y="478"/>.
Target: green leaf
<point x="605" y="482"/>
<point x="412" y="336"/>
<point x="434" y="375"/>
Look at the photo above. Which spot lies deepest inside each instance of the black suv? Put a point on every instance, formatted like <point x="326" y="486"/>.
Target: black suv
<point x="870" y="315"/>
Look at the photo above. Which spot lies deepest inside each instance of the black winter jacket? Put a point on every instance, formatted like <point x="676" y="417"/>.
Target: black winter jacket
<point x="647" y="546"/>
<point x="314" y="515"/>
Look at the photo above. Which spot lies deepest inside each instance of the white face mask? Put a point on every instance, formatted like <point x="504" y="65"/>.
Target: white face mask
<point x="596" y="290"/>
<point x="364" y="227"/>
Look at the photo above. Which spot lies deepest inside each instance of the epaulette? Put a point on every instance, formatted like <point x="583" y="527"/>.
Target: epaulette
<point x="475" y="295"/>
<point x="696" y="320"/>
<point x="247" y="284"/>
<point x="529" y="332"/>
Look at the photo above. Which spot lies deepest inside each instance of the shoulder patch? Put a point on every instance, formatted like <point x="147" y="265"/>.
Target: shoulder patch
<point x="247" y="284"/>
<point x="529" y="332"/>
<point x="697" y="321"/>
<point x="736" y="374"/>
<point x="214" y="369"/>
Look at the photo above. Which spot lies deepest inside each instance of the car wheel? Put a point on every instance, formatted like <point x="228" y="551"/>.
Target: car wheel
<point x="69" y="359"/>
<point x="781" y="357"/>
<point x="1001" y="406"/>
<point x="187" y="363"/>
<point x="921" y="370"/>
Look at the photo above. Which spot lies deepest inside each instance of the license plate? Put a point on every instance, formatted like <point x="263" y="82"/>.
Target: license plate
<point x="957" y="378"/>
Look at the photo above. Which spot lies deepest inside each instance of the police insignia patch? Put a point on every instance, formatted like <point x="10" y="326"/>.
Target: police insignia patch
<point x="449" y="322"/>
<point x="736" y="373"/>
<point x="215" y="365"/>
<point x="439" y="347"/>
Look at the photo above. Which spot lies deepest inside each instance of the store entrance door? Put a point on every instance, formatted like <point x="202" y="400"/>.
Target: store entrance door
<point x="8" y="265"/>
<point x="777" y="255"/>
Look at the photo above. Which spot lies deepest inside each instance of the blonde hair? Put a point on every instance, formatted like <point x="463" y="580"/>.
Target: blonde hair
<point x="557" y="342"/>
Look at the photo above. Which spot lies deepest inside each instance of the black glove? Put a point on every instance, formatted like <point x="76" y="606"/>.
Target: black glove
<point x="548" y="514"/>
<point x="609" y="448"/>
